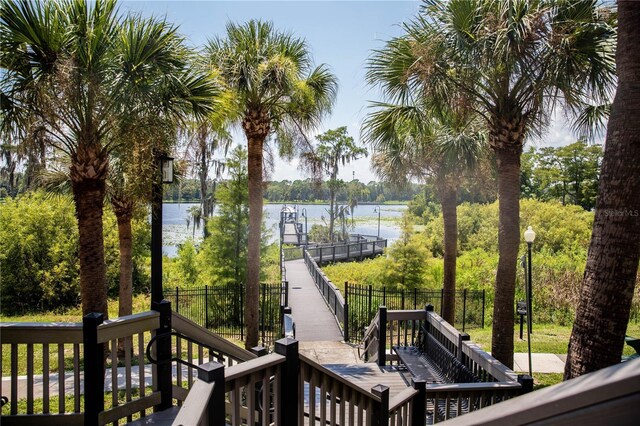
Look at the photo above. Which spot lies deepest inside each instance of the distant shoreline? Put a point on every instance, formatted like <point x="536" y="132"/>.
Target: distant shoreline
<point x="364" y="203"/>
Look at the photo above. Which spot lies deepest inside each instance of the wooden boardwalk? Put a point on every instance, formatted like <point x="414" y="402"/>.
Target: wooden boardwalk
<point x="314" y="321"/>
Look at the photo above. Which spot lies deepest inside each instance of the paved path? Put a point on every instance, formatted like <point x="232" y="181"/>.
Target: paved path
<point x="314" y="321"/>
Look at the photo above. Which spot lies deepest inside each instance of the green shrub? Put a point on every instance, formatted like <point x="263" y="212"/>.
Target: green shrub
<point x="39" y="268"/>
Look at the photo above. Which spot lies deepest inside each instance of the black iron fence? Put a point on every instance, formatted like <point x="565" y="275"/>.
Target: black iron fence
<point x="362" y="303"/>
<point x="220" y="308"/>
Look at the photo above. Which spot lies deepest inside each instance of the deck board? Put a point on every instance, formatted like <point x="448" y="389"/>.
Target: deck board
<point x="369" y="375"/>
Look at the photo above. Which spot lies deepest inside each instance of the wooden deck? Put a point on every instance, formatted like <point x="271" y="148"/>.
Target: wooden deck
<point x="369" y="375"/>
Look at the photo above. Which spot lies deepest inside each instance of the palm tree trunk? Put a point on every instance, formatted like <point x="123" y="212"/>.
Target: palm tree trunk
<point x="256" y="128"/>
<point x="609" y="279"/>
<point x="88" y="195"/>
<point x="508" y="161"/>
<point x="123" y="210"/>
<point x="448" y="200"/>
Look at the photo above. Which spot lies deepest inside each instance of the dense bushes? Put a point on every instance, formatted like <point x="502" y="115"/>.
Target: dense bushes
<point x="39" y="253"/>
<point x="559" y="256"/>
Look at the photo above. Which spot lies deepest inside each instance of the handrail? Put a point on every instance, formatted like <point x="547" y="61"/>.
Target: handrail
<point x="130" y="324"/>
<point x="207" y="338"/>
<point x="247" y="368"/>
<point x="373" y="325"/>
<point x="40" y="332"/>
<point x="401" y="398"/>
<point x="194" y="407"/>
<point x="335" y="376"/>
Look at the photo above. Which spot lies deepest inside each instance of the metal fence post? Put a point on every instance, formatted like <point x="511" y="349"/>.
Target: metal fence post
<point x="380" y="415"/>
<point x="206" y="306"/>
<point x="483" y="295"/>
<point x="369" y="304"/>
<point x="93" y="368"/>
<point x="288" y="385"/>
<point x="177" y="301"/>
<point x="163" y="355"/>
<point x="345" y="312"/>
<point x="382" y="335"/>
<point x="464" y="308"/>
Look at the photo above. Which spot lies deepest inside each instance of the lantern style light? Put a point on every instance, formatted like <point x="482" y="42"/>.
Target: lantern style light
<point x="529" y="235"/>
<point x="166" y="164"/>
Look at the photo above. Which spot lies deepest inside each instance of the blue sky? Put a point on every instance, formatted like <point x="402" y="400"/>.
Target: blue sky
<point x="340" y="34"/>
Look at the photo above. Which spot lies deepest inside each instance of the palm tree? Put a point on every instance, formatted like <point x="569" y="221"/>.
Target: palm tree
<point x="276" y="91"/>
<point x="515" y="61"/>
<point x="334" y="148"/>
<point x="602" y="315"/>
<point x="442" y="144"/>
<point x="81" y="69"/>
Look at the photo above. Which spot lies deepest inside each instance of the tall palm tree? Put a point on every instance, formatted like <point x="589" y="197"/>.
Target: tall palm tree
<point x="80" y="68"/>
<point x="516" y="61"/>
<point x="277" y="92"/>
<point x="602" y="315"/>
<point x="441" y="144"/>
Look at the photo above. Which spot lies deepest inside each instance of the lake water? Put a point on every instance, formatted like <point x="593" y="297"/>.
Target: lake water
<point x="175" y="231"/>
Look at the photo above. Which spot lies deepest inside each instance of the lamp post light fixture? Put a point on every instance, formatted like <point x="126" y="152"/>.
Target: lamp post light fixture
<point x="163" y="174"/>
<point x="303" y="213"/>
<point x="529" y="237"/>
<point x="377" y="210"/>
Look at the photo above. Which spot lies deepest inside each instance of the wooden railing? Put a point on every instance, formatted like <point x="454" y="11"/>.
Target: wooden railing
<point x="194" y="346"/>
<point x="283" y="388"/>
<point x="50" y="363"/>
<point x="359" y="247"/>
<point x="331" y="293"/>
<point x="80" y="344"/>
<point x="59" y="344"/>
<point x="473" y="378"/>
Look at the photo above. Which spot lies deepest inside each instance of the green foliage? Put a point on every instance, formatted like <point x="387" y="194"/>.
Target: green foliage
<point x="221" y="258"/>
<point x="568" y="174"/>
<point x="559" y="256"/>
<point x="405" y="262"/>
<point x="39" y="253"/>
<point x="224" y="252"/>
<point x="560" y="229"/>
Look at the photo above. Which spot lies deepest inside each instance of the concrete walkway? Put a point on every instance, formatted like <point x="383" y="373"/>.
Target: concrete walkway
<point x="540" y="363"/>
<point x="314" y="321"/>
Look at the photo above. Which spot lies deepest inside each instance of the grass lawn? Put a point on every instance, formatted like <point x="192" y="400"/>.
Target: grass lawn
<point x="545" y="338"/>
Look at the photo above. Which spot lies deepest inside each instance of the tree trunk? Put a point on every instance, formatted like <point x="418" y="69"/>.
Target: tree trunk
<point x="508" y="161"/>
<point x="88" y="195"/>
<point x="123" y="210"/>
<point x="448" y="200"/>
<point x="609" y="279"/>
<point x="256" y="128"/>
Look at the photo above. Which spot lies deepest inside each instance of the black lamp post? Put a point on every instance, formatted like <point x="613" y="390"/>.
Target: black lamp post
<point x="377" y="210"/>
<point x="303" y="213"/>
<point x="164" y="174"/>
<point x="529" y="237"/>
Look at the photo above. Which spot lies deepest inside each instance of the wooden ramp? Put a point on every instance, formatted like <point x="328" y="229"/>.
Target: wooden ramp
<point x="314" y="321"/>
